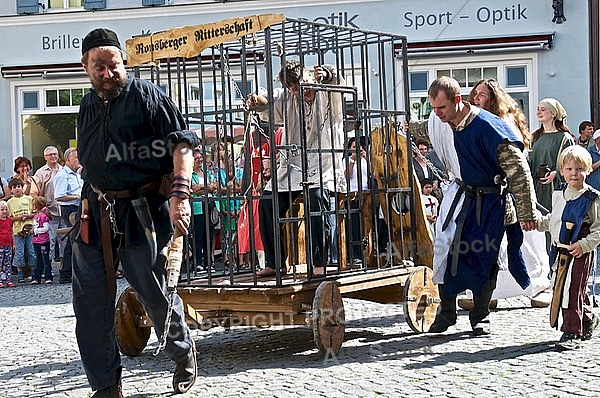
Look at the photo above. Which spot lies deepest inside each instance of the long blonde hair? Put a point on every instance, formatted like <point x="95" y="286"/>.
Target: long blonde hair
<point x="503" y="105"/>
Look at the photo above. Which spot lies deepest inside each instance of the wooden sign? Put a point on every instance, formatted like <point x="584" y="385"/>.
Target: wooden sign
<point x="189" y="41"/>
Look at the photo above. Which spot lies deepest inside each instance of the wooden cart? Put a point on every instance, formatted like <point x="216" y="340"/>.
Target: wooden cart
<point x="298" y="300"/>
<point x="372" y="98"/>
<point x="316" y="304"/>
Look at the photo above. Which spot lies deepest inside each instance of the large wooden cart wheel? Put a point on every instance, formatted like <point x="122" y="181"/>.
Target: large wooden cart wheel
<point x="329" y="319"/>
<point x="132" y="323"/>
<point x="421" y="299"/>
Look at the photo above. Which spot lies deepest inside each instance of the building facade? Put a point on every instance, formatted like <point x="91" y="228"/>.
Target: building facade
<point x="535" y="48"/>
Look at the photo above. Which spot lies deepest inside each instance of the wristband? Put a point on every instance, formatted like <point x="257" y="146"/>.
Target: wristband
<point x="180" y="187"/>
<point x="180" y="194"/>
<point x="181" y="179"/>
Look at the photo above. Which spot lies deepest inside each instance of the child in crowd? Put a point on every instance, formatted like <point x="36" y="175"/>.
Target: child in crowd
<point x="230" y="181"/>
<point x="579" y="204"/>
<point x="41" y="242"/>
<point x="6" y="246"/>
<point x="431" y="204"/>
<point x="20" y="210"/>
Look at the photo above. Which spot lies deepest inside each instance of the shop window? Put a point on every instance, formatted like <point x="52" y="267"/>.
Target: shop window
<point x="512" y="73"/>
<point x="490" y="73"/>
<point x="522" y="99"/>
<point x="211" y="91"/>
<point x="31" y="100"/>
<point x="194" y="92"/>
<point x="51" y="98"/>
<point x="418" y="81"/>
<point x="460" y="75"/>
<point x="467" y="77"/>
<point x="28" y="7"/>
<point x="420" y="108"/>
<point x="77" y="95"/>
<point x="64" y="97"/>
<point x="149" y="3"/>
<point x="64" y="4"/>
<point x="442" y="72"/>
<point x="94" y="4"/>
<point x="49" y="117"/>
<point x="42" y="129"/>
<point x="237" y="91"/>
<point x="516" y="76"/>
<point x="211" y="96"/>
<point x="474" y="76"/>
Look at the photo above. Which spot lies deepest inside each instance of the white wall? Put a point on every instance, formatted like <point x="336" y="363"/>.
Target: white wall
<point x="563" y="73"/>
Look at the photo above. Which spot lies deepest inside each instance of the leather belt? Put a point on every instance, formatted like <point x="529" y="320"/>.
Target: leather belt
<point x="470" y="192"/>
<point x="105" y="198"/>
<point x="133" y="192"/>
<point x="107" y="250"/>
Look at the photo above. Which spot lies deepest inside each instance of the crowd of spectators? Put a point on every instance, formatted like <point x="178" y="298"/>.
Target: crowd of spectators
<point x="34" y="214"/>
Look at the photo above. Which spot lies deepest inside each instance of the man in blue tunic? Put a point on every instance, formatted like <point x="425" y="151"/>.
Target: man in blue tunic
<point x="489" y="163"/>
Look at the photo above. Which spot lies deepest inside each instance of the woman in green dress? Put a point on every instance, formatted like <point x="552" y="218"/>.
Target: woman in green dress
<point x="547" y="143"/>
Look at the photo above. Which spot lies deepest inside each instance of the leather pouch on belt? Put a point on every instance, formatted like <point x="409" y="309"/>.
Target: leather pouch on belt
<point x="84" y="222"/>
<point x="165" y="185"/>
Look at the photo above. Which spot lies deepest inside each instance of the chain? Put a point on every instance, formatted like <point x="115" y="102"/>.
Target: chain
<point x="235" y="85"/>
<point x="162" y="342"/>
<point x="110" y="206"/>
<point x="315" y="137"/>
<point x="327" y="112"/>
<point x="437" y="172"/>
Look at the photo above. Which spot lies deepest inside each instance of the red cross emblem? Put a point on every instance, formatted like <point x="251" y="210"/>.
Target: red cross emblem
<point x="430" y="204"/>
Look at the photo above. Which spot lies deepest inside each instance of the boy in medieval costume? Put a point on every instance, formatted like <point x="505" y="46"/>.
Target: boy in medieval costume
<point x="574" y="225"/>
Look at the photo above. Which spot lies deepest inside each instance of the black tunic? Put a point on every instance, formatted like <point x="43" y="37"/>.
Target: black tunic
<point x="129" y="141"/>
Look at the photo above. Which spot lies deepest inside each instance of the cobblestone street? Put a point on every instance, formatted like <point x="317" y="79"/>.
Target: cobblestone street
<point x="380" y="356"/>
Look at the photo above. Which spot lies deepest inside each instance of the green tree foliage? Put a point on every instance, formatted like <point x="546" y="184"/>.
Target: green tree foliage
<point x="60" y="127"/>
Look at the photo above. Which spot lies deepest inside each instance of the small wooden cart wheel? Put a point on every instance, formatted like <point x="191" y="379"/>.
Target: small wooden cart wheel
<point x="132" y="323"/>
<point x="329" y="319"/>
<point x="421" y="299"/>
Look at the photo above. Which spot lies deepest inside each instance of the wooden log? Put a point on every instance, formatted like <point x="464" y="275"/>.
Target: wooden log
<point x="390" y="169"/>
<point x="294" y="236"/>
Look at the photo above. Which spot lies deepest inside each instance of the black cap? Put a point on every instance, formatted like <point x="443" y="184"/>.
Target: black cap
<point x="98" y="38"/>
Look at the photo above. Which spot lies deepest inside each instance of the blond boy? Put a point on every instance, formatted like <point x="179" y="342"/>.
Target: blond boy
<point x="575" y="222"/>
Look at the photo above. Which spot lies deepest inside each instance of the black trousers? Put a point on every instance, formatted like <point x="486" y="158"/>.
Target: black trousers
<point x="481" y="304"/>
<point x="203" y="243"/>
<point x="66" y="270"/>
<point x="94" y="303"/>
<point x="320" y="228"/>
<point x="354" y="240"/>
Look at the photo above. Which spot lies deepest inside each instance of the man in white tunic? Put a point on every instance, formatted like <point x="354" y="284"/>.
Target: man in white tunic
<point x="312" y="139"/>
